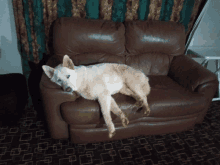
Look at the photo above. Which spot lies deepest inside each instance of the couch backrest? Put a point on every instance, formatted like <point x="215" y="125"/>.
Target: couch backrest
<point x="151" y="45"/>
<point x="146" y="45"/>
<point x="89" y="41"/>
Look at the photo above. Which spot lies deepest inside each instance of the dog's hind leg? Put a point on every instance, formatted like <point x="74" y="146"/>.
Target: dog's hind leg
<point x="117" y="111"/>
<point x="127" y="91"/>
<point x="147" y="110"/>
<point x="140" y="95"/>
<point x="142" y="100"/>
<point x="146" y="90"/>
<point x="105" y="103"/>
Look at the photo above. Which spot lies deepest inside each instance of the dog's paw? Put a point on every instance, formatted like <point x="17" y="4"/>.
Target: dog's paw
<point x="139" y="103"/>
<point x="125" y="122"/>
<point x="111" y="134"/>
<point x="147" y="111"/>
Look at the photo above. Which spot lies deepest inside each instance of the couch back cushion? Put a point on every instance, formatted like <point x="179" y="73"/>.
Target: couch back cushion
<point x="146" y="45"/>
<point x="151" y="45"/>
<point x="89" y="41"/>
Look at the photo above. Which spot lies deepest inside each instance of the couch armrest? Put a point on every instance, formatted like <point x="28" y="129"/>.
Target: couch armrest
<point x="52" y="98"/>
<point x="192" y="75"/>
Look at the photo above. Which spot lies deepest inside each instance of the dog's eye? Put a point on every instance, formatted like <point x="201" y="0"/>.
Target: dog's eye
<point x="68" y="76"/>
<point x="58" y="80"/>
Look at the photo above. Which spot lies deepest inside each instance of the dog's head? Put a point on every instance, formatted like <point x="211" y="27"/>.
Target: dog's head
<point x="64" y="74"/>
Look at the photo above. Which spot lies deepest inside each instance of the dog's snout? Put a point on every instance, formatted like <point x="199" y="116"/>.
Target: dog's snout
<point x="68" y="89"/>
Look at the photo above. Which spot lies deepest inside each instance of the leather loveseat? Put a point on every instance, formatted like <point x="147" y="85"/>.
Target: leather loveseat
<point x="181" y="89"/>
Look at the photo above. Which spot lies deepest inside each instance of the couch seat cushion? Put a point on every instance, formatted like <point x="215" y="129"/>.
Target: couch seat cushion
<point x="169" y="99"/>
<point x="82" y="111"/>
<point x="166" y="99"/>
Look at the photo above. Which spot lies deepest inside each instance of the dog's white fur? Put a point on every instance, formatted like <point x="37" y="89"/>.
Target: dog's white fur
<point x="99" y="82"/>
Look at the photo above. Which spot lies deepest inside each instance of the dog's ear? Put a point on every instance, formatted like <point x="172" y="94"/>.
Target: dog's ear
<point x="48" y="71"/>
<point x="67" y="62"/>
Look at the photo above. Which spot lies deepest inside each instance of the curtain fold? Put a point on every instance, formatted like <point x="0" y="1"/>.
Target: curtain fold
<point x="33" y="18"/>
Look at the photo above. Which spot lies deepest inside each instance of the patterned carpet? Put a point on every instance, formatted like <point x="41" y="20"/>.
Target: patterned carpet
<point x="29" y="144"/>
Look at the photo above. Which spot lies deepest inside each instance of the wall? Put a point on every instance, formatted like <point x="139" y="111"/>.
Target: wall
<point x="206" y="38"/>
<point x="10" y="59"/>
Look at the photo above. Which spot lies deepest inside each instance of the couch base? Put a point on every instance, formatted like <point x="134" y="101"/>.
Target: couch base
<point x="93" y="135"/>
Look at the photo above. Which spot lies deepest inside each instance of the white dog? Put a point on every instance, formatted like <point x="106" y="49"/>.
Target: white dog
<point x="99" y="82"/>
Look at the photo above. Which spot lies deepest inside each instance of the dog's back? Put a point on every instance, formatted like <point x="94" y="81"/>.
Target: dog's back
<point x="98" y="78"/>
<point x="109" y="76"/>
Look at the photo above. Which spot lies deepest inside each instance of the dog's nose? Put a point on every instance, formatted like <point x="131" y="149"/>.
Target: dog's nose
<point x="68" y="89"/>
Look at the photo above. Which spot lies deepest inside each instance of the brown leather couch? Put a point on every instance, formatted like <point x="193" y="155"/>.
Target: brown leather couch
<point x="181" y="89"/>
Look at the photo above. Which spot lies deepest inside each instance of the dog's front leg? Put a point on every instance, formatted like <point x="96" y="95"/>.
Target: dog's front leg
<point x="117" y="111"/>
<point x="105" y="103"/>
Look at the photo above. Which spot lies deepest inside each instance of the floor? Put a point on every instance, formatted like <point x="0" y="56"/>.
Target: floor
<point x="29" y="144"/>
